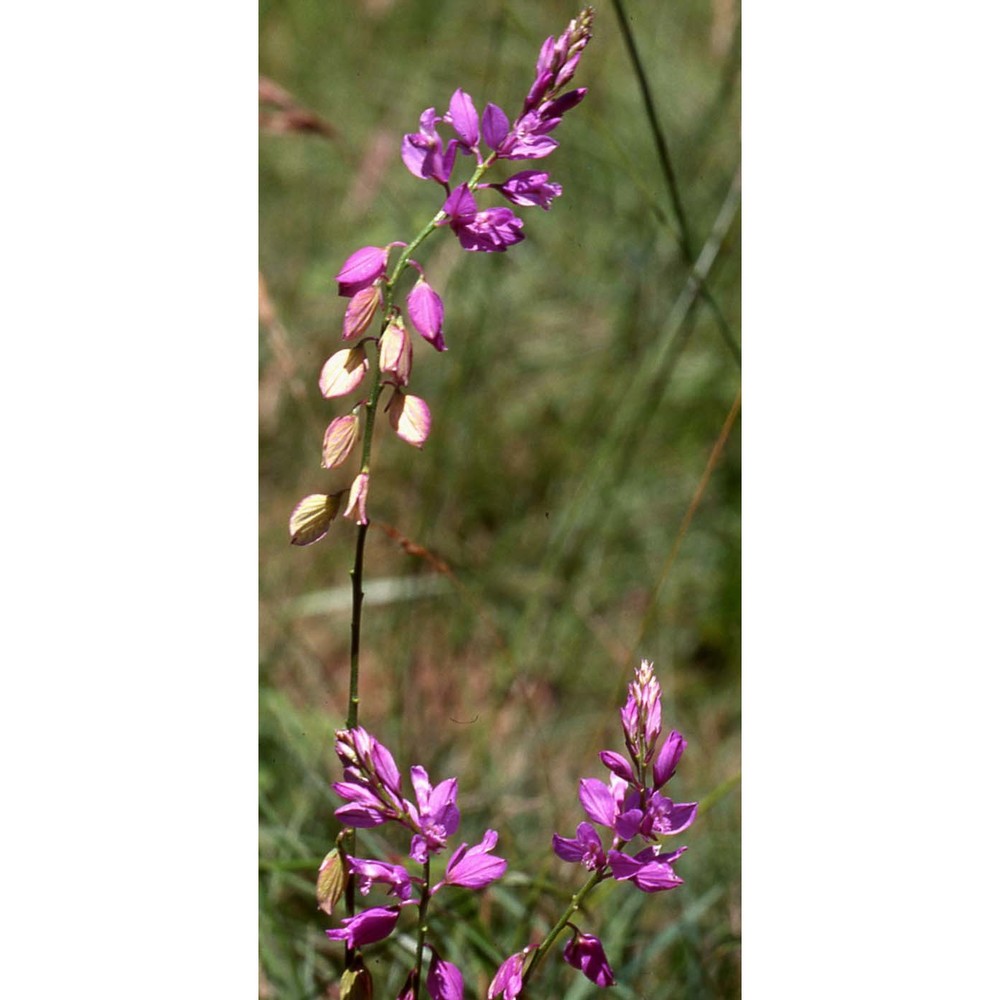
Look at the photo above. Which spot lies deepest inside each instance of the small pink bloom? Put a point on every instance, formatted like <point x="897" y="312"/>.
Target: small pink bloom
<point x="507" y="983"/>
<point x="444" y="980"/>
<point x="410" y="417"/>
<point x="341" y="436"/>
<point x="367" y="927"/>
<point x="475" y="867"/>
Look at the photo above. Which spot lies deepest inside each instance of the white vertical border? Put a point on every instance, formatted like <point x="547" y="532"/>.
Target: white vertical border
<point x="871" y="499"/>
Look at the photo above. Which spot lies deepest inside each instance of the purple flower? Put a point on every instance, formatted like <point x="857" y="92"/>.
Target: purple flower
<point x="586" y="849"/>
<point x="558" y="59"/>
<point x="363" y="268"/>
<point x="364" y="808"/>
<point x="507" y="983"/>
<point x="605" y="804"/>
<point x="663" y="816"/>
<point x="641" y="714"/>
<point x="528" y="140"/>
<point x="435" y="814"/>
<point x="423" y="154"/>
<point x="371" y="779"/>
<point x="617" y="764"/>
<point x="492" y="230"/>
<point x="648" y="870"/>
<point x="669" y="756"/>
<point x="444" y="980"/>
<point x="586" y="953"/>
<point x="529" y="187"/>
<point x="396" y="877"/>
<point x="463" y="118"/>
<point x="474" y="867"/>
<point x="427" y="313"/>
<point x="496" y="126"/>
<point x="367" y="927"/>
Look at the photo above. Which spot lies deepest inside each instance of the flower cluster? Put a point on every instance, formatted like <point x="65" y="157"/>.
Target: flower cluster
<point x="630" y="805"/>
<point x="373" y="796"/>
<point x="369" y="284"/>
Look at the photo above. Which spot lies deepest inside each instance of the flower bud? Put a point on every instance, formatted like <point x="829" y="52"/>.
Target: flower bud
<point x="410" y="417"/>
<point x="361" y="311"/>
<point x="343" y="372"/>
<point x="427" y="313"/>
<point x="331" y="881"/>
<point x="585" y="952"/>
<point x="312" y="518"/>
<point x="395" y="357"/>
<point x="341" y="436"/>
<point x="363" y="268"/>
<point x="358" y="499"/>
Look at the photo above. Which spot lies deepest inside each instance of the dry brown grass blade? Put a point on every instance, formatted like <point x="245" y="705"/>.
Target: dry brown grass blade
<point x="291" y="118"/>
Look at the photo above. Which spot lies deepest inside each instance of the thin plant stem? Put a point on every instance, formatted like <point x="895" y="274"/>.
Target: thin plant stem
<point x="550" y="939"/>
<point x="422" y="927"/>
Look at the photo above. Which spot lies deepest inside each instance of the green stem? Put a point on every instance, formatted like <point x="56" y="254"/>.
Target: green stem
<point x="550" y="939"/>
<point x="422" y="927"/>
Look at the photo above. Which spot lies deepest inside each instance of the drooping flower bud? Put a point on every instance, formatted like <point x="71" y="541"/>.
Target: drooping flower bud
<point x="444" y="980"/>
<point x="586" y="953"/>
<point x="361" y="310"/>
<point x="357" y="501"/>
<point x="343" y="372"/>
<point x="395" y="358"/>
<point x="341" y="436"/>
<point x="363" y="268"/>
<point x="427" y="313"/>
<point x="312" y="517"/>
<point x="410" y="417"/>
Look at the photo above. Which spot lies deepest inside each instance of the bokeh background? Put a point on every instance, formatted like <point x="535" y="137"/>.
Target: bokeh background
<point x="576" y="507"/>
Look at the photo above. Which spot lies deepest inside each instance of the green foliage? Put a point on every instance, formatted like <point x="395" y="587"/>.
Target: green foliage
<point x="574" y="414"/>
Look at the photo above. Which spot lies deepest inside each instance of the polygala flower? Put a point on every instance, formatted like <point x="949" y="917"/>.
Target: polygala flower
<point x="492" y="230"/>
<point x="367" y="927"/>
<point x="312" y="518"/>
<point x="343" y="372"/>
<point x="363" y="268"/>
<point x="529" y="187"/>
<point x="444" y="980"/>
<point x="474" y="867"/>
<point x="395" y="357"/>
<point x="427" y="313"/>
<point x="435" y="815"/>
<point x="508" y="982"/>
<point x="361" y="311"/>
<point x="586" y="953"/>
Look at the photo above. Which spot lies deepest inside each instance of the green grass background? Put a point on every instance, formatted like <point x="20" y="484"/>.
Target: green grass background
<point x="574" y="414"/>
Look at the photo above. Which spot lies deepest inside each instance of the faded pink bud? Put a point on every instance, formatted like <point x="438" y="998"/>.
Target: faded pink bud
<point x="363" y="268"/>
<point x="410" y="417"/>
<point x="341" y="436"/>
<point x="395" y="357"/>
<point x="312" y="517"/>
<point x="427" y="313"/>
<point x="357" y="501"/>
<point x="360" y="311"/>
<point x="343" y="372"/>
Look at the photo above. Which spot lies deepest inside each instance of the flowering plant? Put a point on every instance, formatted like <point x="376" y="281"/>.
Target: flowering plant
<point x="631" y="806"/>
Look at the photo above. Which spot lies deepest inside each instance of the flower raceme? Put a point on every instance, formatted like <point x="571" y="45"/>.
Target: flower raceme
<point x="368" y="278"/>
<point x="630" y="805"/>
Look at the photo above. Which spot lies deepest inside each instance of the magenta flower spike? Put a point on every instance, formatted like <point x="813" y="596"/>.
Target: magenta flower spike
<point x="586" y="953"/>
<point x="367" y="927"/>
<point x="444" y="980"/>
<point x="363" y="268"/>
<point x="427" y="313"/>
